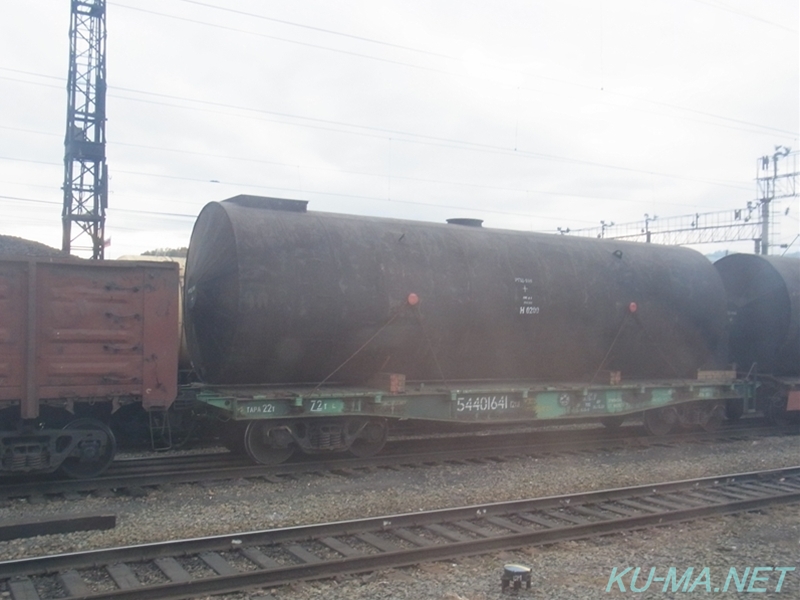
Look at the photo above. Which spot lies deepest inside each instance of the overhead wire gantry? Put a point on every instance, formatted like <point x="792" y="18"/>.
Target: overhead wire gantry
<point x="776" y="179"/>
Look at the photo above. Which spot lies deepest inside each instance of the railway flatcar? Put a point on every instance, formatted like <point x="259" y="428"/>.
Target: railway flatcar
<point x="311" y="330"/>
<point x="78" y="341"/>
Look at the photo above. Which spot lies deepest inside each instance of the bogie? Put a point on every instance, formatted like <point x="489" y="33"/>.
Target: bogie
<point x="271" y="442"/>
<point x="92" y="448"/>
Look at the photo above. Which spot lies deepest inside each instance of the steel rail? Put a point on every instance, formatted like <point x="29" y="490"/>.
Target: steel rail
<point x="398" y="540"/>
<point x="227" y="467"/>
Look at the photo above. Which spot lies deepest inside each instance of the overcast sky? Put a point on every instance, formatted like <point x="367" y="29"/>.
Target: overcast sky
<point x="528" y="114"/>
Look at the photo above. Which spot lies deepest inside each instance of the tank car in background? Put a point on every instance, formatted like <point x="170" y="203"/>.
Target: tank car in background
<point x="80" y="340"/>
<point x="763" y="294"/>
<point x="310" y="330"/>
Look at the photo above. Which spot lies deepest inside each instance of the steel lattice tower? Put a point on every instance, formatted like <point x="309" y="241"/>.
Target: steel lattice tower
<point x="85" y="170"/>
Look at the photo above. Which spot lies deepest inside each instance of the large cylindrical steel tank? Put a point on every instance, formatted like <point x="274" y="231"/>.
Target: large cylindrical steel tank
<point x="764" y="312"/>
<point x="275" y="294"/>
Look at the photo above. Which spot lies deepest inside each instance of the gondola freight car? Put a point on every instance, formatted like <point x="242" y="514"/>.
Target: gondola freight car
<point x="78" y="340"/>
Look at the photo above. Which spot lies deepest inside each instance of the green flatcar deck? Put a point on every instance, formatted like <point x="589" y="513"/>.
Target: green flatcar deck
<point x="467" y="401"/>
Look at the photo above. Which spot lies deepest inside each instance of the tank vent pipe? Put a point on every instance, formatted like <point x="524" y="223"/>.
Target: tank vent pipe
<point x="466" y="222"/>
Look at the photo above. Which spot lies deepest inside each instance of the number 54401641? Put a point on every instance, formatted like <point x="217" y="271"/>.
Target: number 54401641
<point x="482" y="403"/>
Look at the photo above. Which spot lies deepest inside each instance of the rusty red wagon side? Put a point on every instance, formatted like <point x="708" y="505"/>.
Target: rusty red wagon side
<point x="78" y="340"/>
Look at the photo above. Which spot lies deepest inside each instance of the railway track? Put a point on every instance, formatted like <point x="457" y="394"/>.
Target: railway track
<point x="221" y="564"/>
<point x="135" y="475"/>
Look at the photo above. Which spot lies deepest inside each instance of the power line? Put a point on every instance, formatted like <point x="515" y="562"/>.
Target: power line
<point x="318" y="29"/>
<point x="445" y="56"/>
<point x="355" y="196"/>
<point x="717" y="5"/>
<point x="125" y="210"/>
<point x="747" y="128"/>
<point x="432" y="140"/>
<point x="482" y="211"/>
<point x="619" y="231"/>
<point x="320" y="124"/>
<point x="425" y="139"/>
<point x="362" y="173"/>
<point x="720" y="6"/>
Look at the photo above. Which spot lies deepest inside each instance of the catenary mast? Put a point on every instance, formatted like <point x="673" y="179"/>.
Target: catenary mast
<point x="85" y="171"/>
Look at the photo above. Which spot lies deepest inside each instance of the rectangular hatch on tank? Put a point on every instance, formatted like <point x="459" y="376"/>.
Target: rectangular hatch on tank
<point x="267" y="203"/>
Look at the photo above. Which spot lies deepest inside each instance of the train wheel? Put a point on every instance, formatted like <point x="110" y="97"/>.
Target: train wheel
<point x="712" y="420"/>
<point x="660" y="421"/>
<point x="95" y="455"/>
<point x="371" y="439"/>
<point x="266" y="443"/>
<point x="612" y="422"/>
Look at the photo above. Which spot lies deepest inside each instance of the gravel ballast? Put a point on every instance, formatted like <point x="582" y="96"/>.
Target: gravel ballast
<point x="568" y="570"/>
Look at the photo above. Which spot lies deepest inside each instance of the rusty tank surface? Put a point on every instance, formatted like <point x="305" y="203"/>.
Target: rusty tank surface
<point x="764" y="311"/>
<point x="277" y="294"/>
